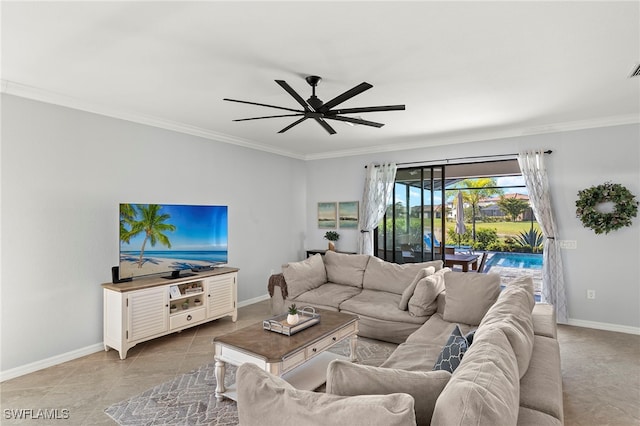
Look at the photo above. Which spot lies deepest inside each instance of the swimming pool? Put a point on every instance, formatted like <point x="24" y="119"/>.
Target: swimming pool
<point x="515" y="260"/>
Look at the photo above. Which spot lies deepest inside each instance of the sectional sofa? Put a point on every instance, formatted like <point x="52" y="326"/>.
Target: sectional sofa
<point x="385" y="295"/>
<point x="481" y="356"/>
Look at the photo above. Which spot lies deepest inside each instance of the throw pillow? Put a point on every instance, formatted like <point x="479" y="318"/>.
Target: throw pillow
<point x="512" y="314"/>
<point x="266" y="399"/>
<point x="408" y="292"/>
<point x="346" y="269"/>
<point x="424" y="301"/>
<point x="485" y="389"/>
<point x="304" y="275"/>
<point x="346" y="378"/>
<point x="452" y="352"/>
<point x="381" y="275"/>
<point x="469" y="336"/>
<point x="468" y="297"/>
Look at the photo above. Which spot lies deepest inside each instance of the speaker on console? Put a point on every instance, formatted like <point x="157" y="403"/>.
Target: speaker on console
<point x="115" y="276"/>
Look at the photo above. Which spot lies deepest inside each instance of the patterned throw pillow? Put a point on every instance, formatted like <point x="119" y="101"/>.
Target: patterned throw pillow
<point x="469" y="336"/>
<point x="451" y="354"/>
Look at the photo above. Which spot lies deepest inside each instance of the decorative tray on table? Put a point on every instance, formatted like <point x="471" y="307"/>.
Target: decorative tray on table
<point x="279" y="324"/>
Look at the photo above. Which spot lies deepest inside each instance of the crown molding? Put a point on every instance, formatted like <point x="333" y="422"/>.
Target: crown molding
<point x="36" y="94"/>
<point x="431" y="141"/>
<point x="33" y="93"/>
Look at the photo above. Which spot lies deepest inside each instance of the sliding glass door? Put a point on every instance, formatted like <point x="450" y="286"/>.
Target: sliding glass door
<point x="413" y="227"/>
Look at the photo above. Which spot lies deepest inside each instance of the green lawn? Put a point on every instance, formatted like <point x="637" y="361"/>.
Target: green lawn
<point x="504" y="229"/>
<point x="507" y="228"/>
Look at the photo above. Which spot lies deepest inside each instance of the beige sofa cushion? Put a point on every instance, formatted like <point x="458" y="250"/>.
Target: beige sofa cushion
<point x="544" y="320"/>
<point x="327" y="295"/>
<point x="423" y="301"/>
<point x="512" y="314"/>
<point x="408" y="292"/>
<point x="392" y="277"/>
<point x="304" y="275"/>
<point x="469" y="296"/>
<point x="346" y="269"/>
<point x="484" y="389"/>
<point x="265" y="399"/>
<point x="541" y="386"/>
<point x="346" y="378"/>
<point x="378" y="304"/>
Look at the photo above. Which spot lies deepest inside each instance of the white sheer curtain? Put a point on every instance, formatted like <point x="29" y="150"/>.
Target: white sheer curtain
<point x="378" y="188"/>
<point x="535" y="177"/>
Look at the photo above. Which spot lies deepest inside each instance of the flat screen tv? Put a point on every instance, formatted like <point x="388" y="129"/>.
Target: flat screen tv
<point x="170" y="238"/>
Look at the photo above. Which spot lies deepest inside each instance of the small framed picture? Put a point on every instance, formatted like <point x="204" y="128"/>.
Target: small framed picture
<point x="348" y="214"/>
<point x="327" y="215"/>
<point x="174" y="292"/>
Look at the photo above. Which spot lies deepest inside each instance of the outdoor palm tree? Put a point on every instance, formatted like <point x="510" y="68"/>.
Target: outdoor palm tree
<point x="474" y="190"/>
<point x="153" y="225"/>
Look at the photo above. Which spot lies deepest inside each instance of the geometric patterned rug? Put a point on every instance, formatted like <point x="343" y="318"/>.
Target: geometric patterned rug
<point x="189" y="398"/>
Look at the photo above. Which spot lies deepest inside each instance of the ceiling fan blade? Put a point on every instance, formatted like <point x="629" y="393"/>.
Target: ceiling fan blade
<point x="345" y="96"/>
<point x="354" y="120"/>
<point x="326" y="126"/>
<point x="264" y="105"/>
<point x="293" y="124"/>
<point x="268" y="116"/>
<point x="293" y="93"/>
<point x="366" y="109"/>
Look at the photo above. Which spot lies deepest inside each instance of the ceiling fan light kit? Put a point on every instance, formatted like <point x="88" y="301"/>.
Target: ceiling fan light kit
<point x="319" y="111"/>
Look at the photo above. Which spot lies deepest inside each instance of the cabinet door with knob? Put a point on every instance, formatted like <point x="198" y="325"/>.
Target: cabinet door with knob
<point x="221" y="296"/>
<point x="147" y="313"/>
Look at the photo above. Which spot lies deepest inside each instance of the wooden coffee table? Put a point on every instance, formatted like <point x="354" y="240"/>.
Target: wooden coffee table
<point x="300" y="359"/>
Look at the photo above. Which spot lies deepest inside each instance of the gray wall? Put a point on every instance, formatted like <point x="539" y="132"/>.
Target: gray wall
<point x="608" y="264"/>
<point x="63" y="174"/>
<point x="65" y="171"/>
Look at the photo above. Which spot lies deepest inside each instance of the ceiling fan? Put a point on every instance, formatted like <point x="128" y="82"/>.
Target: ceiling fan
<point x="319" y="111"/>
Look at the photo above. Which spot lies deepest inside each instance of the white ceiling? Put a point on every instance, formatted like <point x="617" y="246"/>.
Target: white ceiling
<point x="466" y="71"/>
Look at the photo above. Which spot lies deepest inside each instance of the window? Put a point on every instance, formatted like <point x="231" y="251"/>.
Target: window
<point x="420" y="221"/>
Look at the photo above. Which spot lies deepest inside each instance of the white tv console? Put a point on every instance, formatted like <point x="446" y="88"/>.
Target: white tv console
<point x="146" y="308"/>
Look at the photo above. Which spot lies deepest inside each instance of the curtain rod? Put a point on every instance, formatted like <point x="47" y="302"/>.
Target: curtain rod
<point x="447" y="160"/>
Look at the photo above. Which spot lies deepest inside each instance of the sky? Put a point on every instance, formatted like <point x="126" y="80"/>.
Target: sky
<point x="504" y="181"/>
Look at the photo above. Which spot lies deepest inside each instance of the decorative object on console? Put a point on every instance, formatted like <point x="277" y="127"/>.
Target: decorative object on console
<point x="590" y="203"/>
<point x="332" y="236"/>
<point x="293" y="317"/>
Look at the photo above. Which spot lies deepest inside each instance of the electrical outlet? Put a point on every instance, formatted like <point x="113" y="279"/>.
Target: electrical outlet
<point x="591" y="294"/>
<point x="568" y="244"/>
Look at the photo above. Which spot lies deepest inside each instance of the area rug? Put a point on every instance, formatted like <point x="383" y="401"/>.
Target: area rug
<point x="189" y="398"/>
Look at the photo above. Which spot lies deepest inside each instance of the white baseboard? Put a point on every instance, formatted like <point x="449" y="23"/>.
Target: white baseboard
<point x="50" y="362"/>
<point x="604" y="326"/>
<point x="78" y="353"/>
<point x="254" y="300"/>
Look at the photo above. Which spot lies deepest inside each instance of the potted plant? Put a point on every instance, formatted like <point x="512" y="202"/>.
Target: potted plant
<point x="185" y="305"/>
<point x="173" y="308"/>
<point x="197" y="302"/>
<point x="332" y="236"/>
<point x="293" y="318"/>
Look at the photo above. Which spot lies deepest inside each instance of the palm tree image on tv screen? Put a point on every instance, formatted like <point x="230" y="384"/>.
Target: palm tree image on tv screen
<point x="161" y="238"/>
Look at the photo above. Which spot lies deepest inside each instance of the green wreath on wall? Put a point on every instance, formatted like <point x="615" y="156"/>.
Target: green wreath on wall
<point x="625" y="207"/>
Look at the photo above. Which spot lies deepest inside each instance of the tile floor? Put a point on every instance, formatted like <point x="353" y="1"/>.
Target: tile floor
<point x="601" y="375"/>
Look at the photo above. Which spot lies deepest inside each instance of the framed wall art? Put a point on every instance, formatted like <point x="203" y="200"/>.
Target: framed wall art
<point x="348" y="214"/>
<point x="327" y="215"/>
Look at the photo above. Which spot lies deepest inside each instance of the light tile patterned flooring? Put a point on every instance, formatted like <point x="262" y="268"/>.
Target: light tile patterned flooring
<point x="601" y="375"/>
